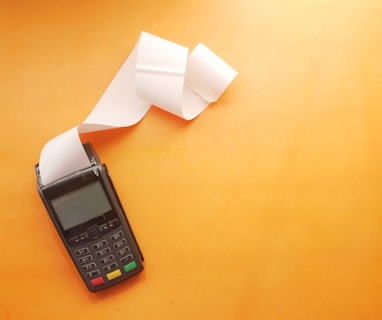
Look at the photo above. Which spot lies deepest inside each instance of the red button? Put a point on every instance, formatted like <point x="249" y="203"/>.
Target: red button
<point x="97" y="281"/>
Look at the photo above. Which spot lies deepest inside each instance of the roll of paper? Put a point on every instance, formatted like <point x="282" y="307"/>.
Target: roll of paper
<point x="157" y="72"/>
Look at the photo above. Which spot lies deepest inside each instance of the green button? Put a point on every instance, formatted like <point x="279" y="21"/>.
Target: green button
<point x="130" y="266"/>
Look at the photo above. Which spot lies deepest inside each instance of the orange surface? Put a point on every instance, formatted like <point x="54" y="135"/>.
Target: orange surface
<point x="267" y="206"/>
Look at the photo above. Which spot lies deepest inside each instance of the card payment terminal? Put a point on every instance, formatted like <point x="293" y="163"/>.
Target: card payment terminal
<point x="88" y="215"/>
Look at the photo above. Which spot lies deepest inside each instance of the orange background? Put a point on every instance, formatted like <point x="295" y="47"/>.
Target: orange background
<point x="267" y="206"/>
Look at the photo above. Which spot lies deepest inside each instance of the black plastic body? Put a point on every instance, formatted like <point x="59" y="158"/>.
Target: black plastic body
<point x="104" y="249"/>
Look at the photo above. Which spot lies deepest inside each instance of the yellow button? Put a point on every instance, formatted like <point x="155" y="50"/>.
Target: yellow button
<point x="114" y="274"/>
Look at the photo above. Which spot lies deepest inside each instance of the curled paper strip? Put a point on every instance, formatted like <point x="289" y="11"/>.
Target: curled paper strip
<point x="157" y="72"/>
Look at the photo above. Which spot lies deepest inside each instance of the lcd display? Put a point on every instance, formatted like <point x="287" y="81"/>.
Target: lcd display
<point x="81" y="205"/>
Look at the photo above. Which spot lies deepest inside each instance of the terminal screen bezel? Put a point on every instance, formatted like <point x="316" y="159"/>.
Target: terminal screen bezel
<point x="77" y="185"/>
<point x="81" y="205"/>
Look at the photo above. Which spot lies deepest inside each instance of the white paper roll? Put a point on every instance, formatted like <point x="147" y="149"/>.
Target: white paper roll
<point x="157" y="72"/>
